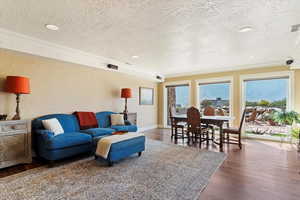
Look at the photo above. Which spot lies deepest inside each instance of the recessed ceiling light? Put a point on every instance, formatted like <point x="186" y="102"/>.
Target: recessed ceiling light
<point x="245" y="29"/>
<point x="51" y="27"/>
<point x="135" y="57"/>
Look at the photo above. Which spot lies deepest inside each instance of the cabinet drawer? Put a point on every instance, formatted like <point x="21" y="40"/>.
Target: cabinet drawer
<point x="13" y="147"/>
<point x="12" y="128"/>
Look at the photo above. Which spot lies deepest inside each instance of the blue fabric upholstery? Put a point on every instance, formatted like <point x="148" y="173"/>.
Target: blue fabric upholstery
<point x="96" y="132"/>
<point x="126" y="148"/>
<point x="70" y="143"/>
<point x="45" y="134"/>
<point x="68" y="122"/>
<point x="68" y="140"/>
<point x="58" y="154"/>
<point x="103" y="119"/>
<point x="129" y="128"/>
<point x="74" y="141"/>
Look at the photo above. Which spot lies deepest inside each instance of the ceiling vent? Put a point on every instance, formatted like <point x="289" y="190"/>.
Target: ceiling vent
<point x="295" y="28"/>
<point x="111" y="66"/>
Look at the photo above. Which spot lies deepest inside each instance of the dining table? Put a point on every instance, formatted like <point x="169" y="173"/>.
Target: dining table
<point x="217" y="121"/>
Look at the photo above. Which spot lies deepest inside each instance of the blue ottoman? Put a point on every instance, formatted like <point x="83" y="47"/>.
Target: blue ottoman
<point x="124" y="148"/>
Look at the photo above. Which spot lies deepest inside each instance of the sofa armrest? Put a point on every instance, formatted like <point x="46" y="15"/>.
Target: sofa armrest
<point x="46" y="134"/>
<point x="127" y="123"/>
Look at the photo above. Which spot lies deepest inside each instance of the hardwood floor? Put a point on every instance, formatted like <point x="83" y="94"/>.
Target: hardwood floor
<point x="261" y="170"/>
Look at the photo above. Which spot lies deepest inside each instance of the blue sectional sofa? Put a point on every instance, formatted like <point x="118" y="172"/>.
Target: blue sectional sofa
<point x="73" y="141"/>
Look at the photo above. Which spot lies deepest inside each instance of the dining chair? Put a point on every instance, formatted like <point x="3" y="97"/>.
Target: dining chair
<point x="195" y="128"/>
<point x="220" y="112"/>
<point x="252" y="117"/>
<point x="176" y="126"/>
<point x="209" y="111"/>
<point x="228" y="132"/>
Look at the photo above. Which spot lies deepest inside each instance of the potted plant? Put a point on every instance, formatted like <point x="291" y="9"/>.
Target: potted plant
<point x="296" y="135"/>
<point x="286" y="117"/>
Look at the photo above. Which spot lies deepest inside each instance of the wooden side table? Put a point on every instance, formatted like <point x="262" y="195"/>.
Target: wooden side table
<point x="15" y="143"/>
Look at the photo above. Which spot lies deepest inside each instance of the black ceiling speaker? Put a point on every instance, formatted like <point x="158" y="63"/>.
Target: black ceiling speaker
<point x="158" y="77"/>
<point x="289" y="61"/>
<point x="111" y="66"/>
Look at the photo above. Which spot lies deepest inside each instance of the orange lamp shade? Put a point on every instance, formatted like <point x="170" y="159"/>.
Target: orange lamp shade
<point x="17" y="85"/>
<point x="126" y="93"/>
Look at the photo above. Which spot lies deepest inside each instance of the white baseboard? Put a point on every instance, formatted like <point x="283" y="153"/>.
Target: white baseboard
<point x="146" y="128"/>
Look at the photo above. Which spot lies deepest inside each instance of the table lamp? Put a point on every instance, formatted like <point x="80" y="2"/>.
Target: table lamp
<point x="126" y="93"/>
<point x="17" y="85"/>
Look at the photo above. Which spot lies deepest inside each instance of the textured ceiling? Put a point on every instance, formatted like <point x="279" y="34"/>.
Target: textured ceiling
<point x="168" y="36"/>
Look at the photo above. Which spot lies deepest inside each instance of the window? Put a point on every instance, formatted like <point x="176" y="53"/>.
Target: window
<point x="216" y="96"/>
<point x="263" y="98"/>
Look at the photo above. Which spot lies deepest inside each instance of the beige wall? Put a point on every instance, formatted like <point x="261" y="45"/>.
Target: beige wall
<point x="236" y="87"/>
<point x="61" y="87"/>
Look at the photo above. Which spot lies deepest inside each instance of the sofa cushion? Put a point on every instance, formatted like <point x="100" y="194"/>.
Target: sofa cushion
<point x="117" y="119"/>
<point x="96" y="132"/>
<point x="53" y="125"/>
<point x="103" y="119"/>
<point x="130" y="128"/>
<point x="67" y="140"/>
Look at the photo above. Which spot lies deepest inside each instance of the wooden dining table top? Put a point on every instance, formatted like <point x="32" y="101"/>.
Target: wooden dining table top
<point x="218" y="118"/>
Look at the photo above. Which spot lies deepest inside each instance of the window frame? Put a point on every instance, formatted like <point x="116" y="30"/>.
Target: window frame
<point x="227" y="79"/>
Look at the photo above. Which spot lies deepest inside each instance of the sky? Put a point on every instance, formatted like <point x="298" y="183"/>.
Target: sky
<point x="271" y="90"/>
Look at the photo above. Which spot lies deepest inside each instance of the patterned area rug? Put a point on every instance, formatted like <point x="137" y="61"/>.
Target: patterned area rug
<point x="164" y="171"/>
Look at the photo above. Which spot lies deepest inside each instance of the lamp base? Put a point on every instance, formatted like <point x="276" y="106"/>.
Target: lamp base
<point x="16" y="117"/>
<point x="125" y="113"/>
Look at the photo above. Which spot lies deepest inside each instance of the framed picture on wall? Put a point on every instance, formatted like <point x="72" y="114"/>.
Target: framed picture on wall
<point x="146" y="96"/>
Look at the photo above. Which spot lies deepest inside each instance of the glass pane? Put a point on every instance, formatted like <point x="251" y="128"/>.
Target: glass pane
<point x="263" y="99"/>
<point x="178" y="100"/>
<point x="215" y="96"/>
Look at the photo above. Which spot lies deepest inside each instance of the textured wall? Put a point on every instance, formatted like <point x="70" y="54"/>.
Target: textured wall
<point x="236" y="87"/>
<point x="60" y="87"/>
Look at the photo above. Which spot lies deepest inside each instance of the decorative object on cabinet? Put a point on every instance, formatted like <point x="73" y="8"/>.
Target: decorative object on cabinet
<point x="17" y="85"/>
<point x="126" y="93"/>
<point x="146" y="96"/>
<point x="15" y="143"/>
<point x="3" y="117"/>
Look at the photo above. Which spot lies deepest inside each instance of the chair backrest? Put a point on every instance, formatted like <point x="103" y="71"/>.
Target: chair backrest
<point x="220" y="112"/>
<point x="209" y="111"/>
<point x="253" y="115"/>
<point x="242" y="120"/>
<point x="193" y="119"/>
<point x="171" y="115"/>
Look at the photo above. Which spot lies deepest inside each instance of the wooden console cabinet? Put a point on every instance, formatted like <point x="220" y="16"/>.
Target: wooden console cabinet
<point x="15" y="143"/>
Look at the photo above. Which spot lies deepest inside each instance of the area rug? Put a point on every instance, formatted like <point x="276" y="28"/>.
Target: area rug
<point x="164" y="171"/>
